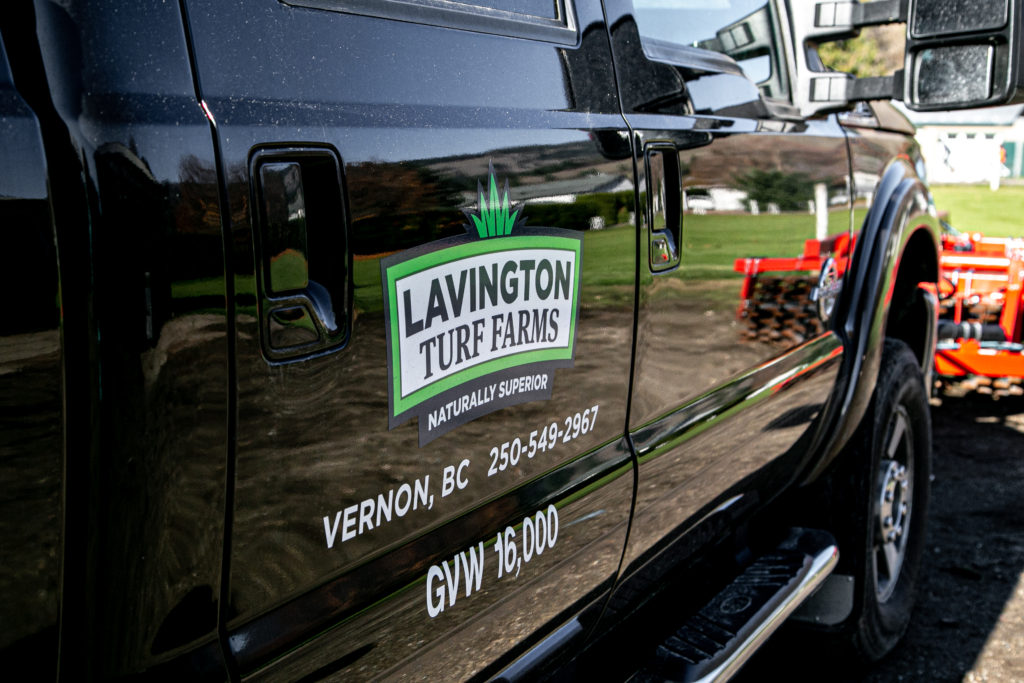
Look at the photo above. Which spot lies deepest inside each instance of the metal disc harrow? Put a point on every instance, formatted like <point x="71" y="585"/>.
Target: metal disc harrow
<point x="779" y="309"/>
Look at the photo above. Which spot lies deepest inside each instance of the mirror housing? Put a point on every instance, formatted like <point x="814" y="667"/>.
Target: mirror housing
<point x="963" y="54"/>
<point x="822" y="21"/>
<point x="959" y="54"/>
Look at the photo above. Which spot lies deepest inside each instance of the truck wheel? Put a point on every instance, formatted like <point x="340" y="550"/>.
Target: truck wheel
<point x="892" y="499"/>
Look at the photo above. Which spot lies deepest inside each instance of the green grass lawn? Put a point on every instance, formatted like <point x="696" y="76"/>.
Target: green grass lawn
<point x="608" y="271"/>
<point x="975" y="208"/>
<point x="712" y="243"/>
<point x="612" y="252"/>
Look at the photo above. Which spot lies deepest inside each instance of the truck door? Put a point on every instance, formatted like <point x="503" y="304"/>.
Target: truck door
<point x="434" y="277"/>
<point x="730" y="371"/>
<point x="30" y="379"/>
<point x="113" y="367"/>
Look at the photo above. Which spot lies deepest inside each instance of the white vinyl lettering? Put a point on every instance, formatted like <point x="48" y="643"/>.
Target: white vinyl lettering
<point x="375" y="511"/>
<point x="466" y="569"/>
<point x="452" y="478"/>
<point x="473" y="569"/>
<point x="464" y="313"/>
<point x="348" y="531"/>
<point x="331" y="530"/>
<point x="450" y="581"/>
<point x="434" y="575"/>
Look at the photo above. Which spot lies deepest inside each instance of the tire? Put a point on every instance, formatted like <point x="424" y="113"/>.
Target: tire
<point x="891" y="467"/>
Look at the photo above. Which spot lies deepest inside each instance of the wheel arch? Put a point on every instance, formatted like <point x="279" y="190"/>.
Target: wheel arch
<point x="898" y="248"/>
<point x="911" y="314"/>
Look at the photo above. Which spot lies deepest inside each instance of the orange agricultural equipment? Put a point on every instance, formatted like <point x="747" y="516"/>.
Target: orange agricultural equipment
<point x="980" y="328"/>
<point x="777" y="306"/>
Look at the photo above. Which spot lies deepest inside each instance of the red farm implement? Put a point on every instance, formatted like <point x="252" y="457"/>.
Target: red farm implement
<point x="980" y="325"/>
<point x="779" y="298"/>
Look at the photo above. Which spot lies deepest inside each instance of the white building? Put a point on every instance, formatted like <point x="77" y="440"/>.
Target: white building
<point x="973" y="145"/>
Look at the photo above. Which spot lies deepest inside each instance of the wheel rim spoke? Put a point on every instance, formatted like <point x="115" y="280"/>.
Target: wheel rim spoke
<point x="894" y="493"/>
<point x="897" y="435"/>
<point x="892" y="560"/>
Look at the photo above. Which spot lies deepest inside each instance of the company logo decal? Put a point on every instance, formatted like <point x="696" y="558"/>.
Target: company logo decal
<point x="479" y="322"/>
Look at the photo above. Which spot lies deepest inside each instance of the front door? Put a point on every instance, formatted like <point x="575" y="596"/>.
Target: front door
<point x="434" y="274"/>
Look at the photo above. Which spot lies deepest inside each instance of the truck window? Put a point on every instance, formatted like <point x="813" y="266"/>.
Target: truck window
<point x="747" y="31"/>
<point x="550" y="9"/>
<point x="547" y="20"/>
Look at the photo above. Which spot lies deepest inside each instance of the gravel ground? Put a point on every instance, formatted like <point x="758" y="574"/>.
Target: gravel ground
<point x="969" y="621"/>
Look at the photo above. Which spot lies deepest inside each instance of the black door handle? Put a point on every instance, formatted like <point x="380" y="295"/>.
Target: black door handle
<point x="301" y="247"/>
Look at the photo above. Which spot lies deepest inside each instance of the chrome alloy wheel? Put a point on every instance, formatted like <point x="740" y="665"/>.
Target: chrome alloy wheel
<point x="894" y="503"/>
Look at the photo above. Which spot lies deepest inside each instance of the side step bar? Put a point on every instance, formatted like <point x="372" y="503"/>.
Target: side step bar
<point x="714" y="643"/>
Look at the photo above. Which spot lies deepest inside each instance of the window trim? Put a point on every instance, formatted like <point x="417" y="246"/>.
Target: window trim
<point x="712" y="61"/>
<point x="460" y="15"/>
<point x="698" y="58"/>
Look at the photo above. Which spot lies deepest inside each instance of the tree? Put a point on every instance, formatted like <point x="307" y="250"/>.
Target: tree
<point x="788" y="191"/>
<point x="877" y="51"/>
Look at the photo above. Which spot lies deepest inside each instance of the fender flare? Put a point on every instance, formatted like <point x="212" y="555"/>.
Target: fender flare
<point x="899" y="215"/>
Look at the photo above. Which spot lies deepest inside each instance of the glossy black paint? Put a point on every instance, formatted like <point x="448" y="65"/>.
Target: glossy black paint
<point x="709" y="404"/>
<point x="217" y="393"/>
<point x="417" y="115"/>
<point x="138" y="242"/>
<point x="30" y="397"/>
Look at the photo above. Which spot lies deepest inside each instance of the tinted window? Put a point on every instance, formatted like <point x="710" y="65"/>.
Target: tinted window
<point x="745" y="30"/>
<point x="537" y="8"/>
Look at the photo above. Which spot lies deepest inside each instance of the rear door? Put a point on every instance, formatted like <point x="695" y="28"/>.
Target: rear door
<point x="730" y="372"/>
<point x="431" y="209"/>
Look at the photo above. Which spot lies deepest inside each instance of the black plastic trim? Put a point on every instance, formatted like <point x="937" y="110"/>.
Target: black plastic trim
<point x="459" y="15"/>
<point x="863" y="308"/>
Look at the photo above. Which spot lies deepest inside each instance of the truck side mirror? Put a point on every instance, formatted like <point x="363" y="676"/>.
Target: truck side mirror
<point x="959" y="53"/>
<point x="963" y="54"/>
<point x="751" y="37"/>
<point x="821" y="21"/>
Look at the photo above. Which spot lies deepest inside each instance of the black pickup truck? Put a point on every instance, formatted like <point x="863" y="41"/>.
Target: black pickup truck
<point x="405" y="338"/>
